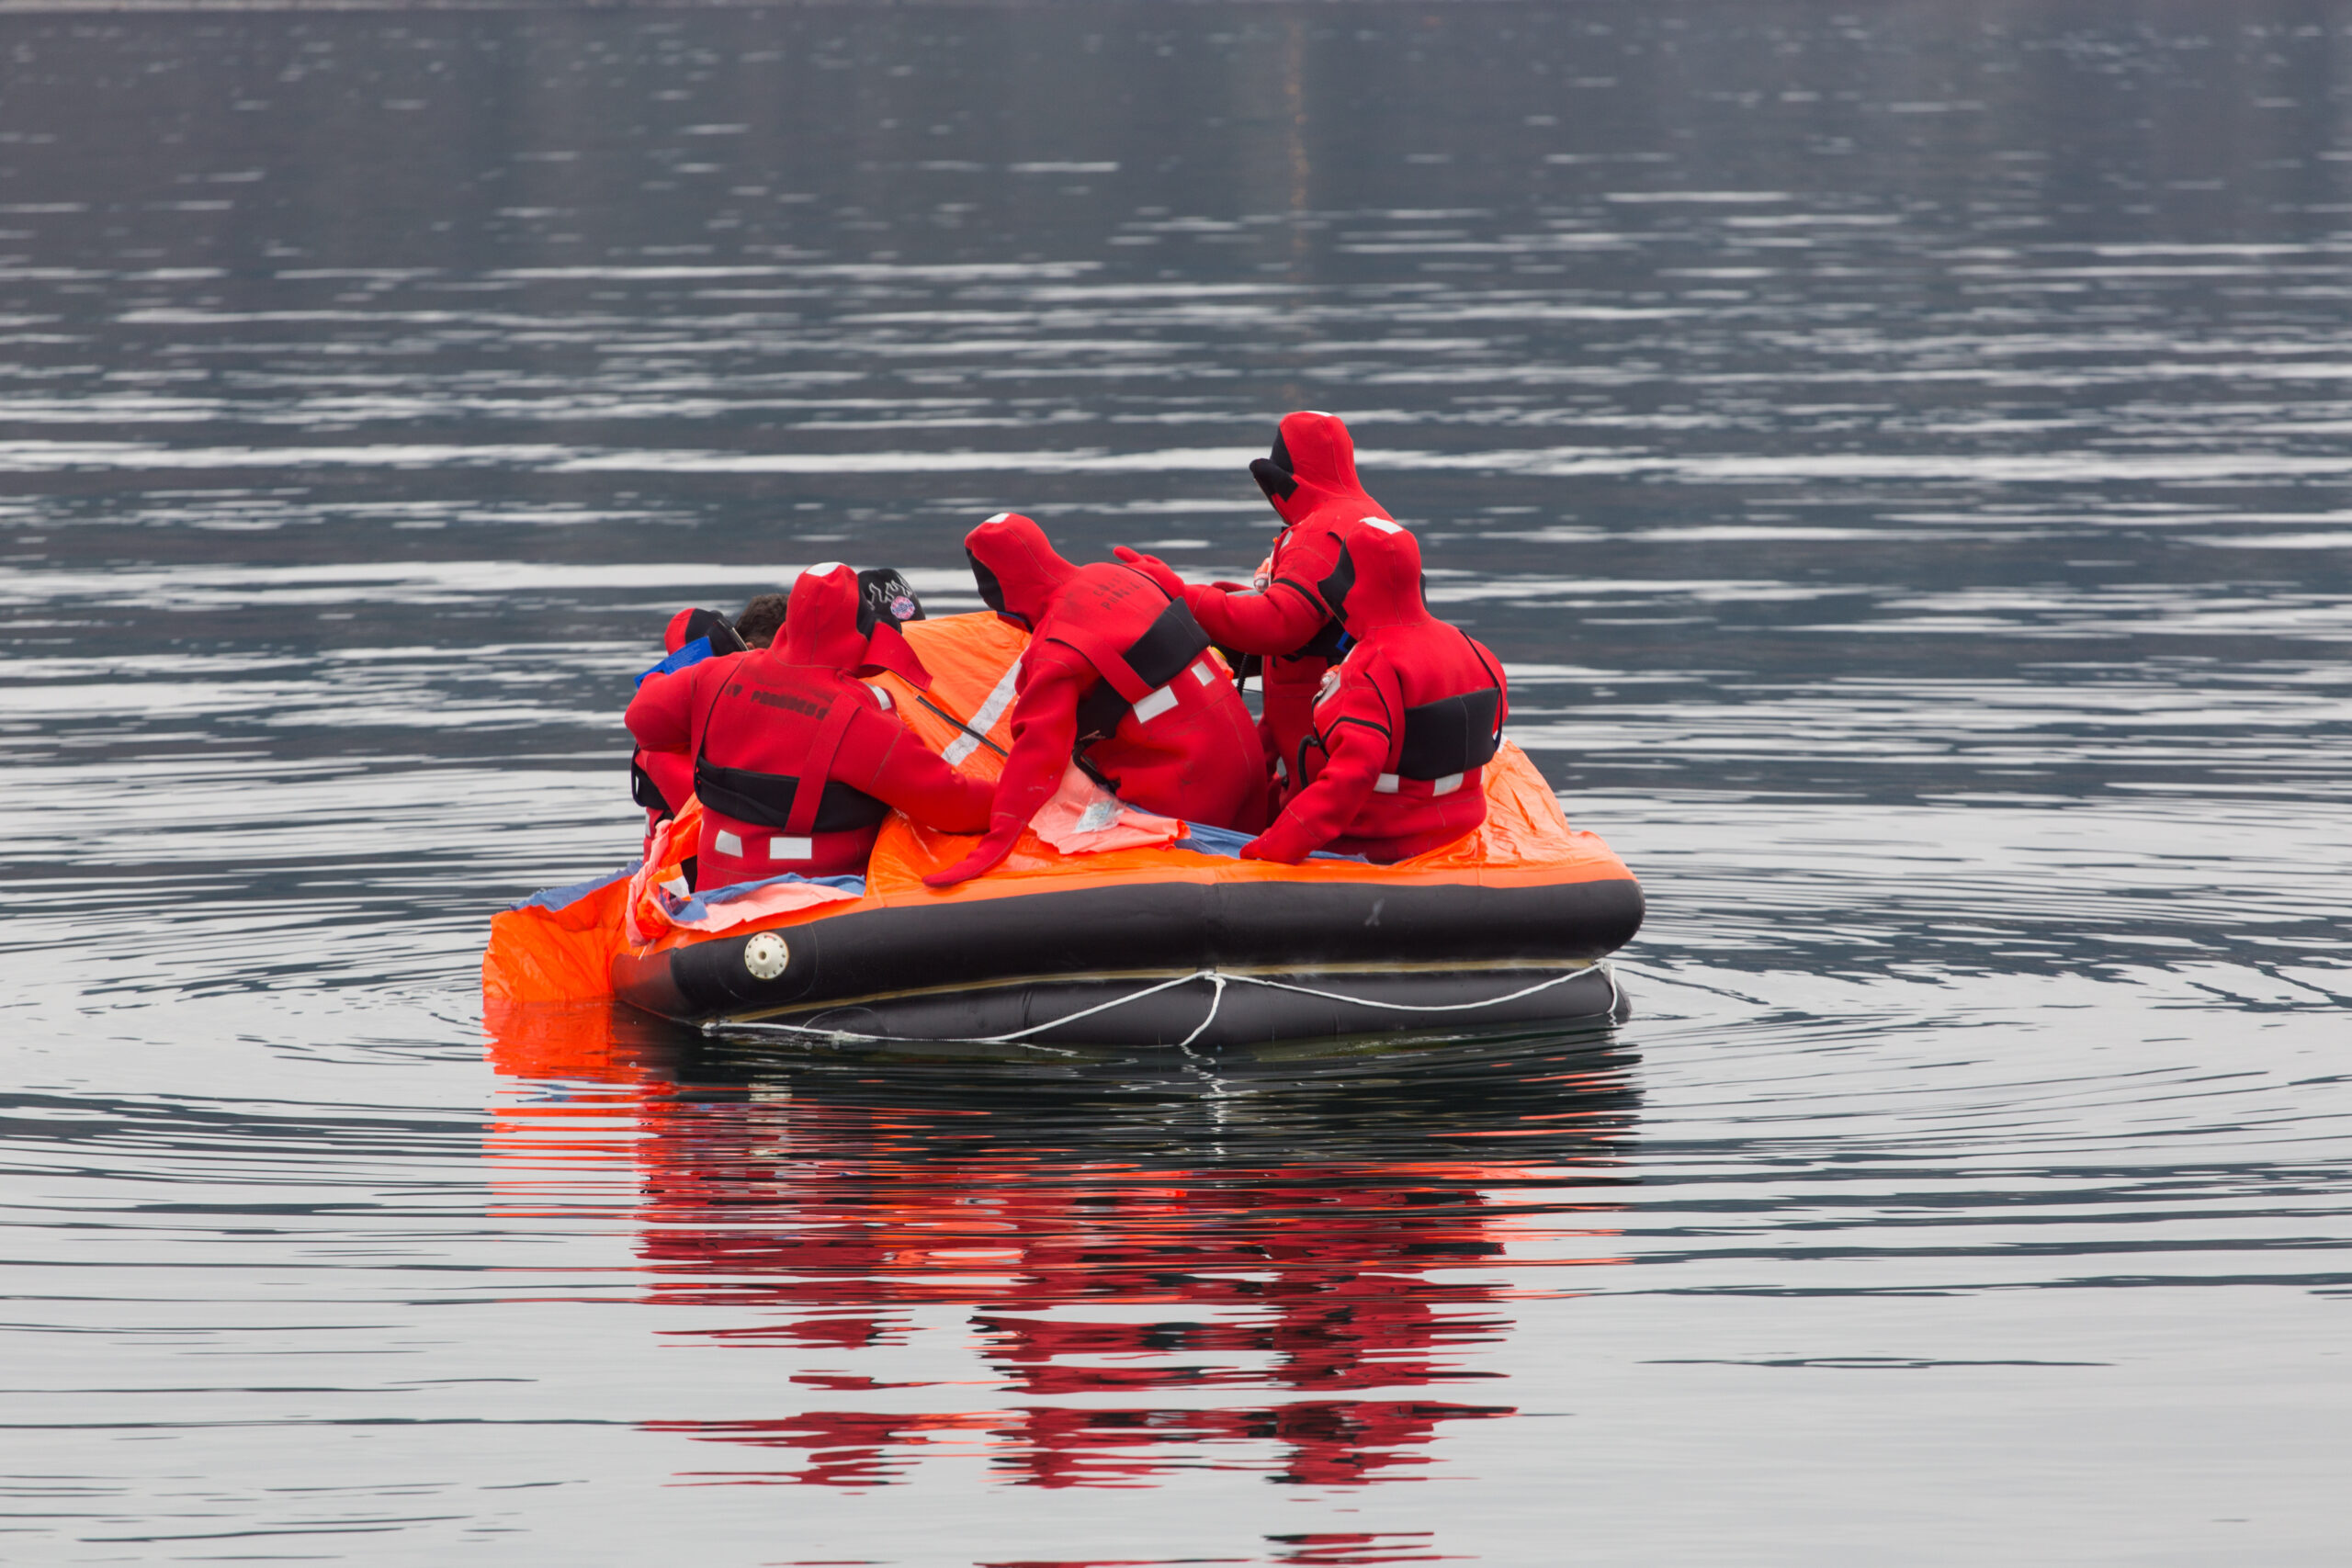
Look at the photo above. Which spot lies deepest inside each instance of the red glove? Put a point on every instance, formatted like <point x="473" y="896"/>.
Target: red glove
<point x="1159" y="571"/>
<point x="987" y="854"/>
<point x="1282" y="842"/>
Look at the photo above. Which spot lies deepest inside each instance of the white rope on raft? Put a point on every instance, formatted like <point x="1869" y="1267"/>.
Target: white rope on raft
<point x="1217" y="979"/>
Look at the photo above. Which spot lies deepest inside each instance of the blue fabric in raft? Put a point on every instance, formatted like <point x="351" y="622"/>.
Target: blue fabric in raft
<point x="564" y="897"/>
<point x="1203" y="840"/>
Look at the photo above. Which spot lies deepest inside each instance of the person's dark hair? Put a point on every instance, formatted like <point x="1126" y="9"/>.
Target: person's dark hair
<point x="761" y="619"/>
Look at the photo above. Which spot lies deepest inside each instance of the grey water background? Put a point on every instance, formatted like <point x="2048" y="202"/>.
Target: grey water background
<point x="1900" y="450"/>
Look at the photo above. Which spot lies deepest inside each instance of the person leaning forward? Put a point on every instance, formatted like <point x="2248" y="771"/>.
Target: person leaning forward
<point x="1117" y="678"/>
<point x="1288" y="617"/>
<point x="796" y="763"/>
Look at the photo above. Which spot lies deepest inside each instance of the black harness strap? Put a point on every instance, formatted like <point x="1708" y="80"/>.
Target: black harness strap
<point x="1450" y="736"/>
<point x="1173" y="641"/>
<point x="644" y="791"/>
<point x="765" y="799"/>
<point x="1164" y="650"/>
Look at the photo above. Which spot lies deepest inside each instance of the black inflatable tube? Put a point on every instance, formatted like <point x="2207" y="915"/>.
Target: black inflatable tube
<point x="1052" y="941"/>
<point x="1225" y="1013"/>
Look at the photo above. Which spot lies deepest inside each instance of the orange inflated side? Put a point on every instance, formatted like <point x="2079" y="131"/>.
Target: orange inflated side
<point x="1524" y="839"/>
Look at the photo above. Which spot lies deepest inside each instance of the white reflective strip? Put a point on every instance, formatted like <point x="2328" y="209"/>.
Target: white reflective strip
<point x="998" y="518"/>
<point x="985" y="720"/>
<point x="792" y="849"/>
<point x="1386" y="784"/>
<point x="727" y="843"/>
<point x="1204" y="674"/>
<point x="882" y="696"/>
<point x="1382" y="523"/>
<point x="826" y="568"/>
<point x="1447" y="784"/>
<point x="676" y="887"/>
<point x="1151" y="704"/>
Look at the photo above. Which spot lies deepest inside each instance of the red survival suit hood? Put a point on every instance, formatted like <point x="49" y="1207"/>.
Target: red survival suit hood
<point x="1018" y="572"/>
<point x="1377" y="584"/>
<point x="864" y="636"/>
<point x="821" y="623"/>
<point x="1312" y="468"/>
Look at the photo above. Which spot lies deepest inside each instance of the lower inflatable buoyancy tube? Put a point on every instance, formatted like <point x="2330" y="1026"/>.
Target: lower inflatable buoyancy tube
<point x="1400" y="939"/>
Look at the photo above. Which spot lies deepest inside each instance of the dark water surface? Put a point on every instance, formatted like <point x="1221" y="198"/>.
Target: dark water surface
<point x="1901" y="450"/>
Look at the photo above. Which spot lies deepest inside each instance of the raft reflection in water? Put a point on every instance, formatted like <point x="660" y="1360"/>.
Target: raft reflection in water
<point x="1286" y="1267"/>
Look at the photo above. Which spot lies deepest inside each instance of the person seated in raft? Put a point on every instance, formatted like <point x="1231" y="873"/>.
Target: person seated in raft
<point x="761" y="619"/>
<point x="1393" y="765"/>
<point x="1118" y="678"/>
<point x="1286" y="615"/>
<point x="661" y="781"/>
<point x="885" y="599"/>
<point x="796" y="763"/>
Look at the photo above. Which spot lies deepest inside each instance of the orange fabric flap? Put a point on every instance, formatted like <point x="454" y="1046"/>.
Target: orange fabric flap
<point x="553" y="956"/>
<point x="973" y="659"/>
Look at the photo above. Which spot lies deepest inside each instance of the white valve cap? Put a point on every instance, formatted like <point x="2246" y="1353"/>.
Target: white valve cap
<point x="765" y="956"/>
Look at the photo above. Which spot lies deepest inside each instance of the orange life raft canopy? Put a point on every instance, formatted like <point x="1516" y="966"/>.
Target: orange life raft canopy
<point x="1104" y="926"/>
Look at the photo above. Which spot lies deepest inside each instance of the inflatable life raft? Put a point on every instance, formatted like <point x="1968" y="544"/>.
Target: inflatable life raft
<point x="1104" y="926"/>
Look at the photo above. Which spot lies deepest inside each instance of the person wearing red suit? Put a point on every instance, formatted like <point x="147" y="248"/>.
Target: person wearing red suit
<point x="796" y="763"/>
<point x="1310" y="478"/>
<point x="1393" y="764"/>
<point x="661" y="781"/>
<point x="1118" y="678"/>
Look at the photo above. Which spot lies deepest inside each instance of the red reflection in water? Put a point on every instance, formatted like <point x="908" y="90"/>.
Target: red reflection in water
<point x="1120" y="1304"/>
<point x="1333" y="1550"/>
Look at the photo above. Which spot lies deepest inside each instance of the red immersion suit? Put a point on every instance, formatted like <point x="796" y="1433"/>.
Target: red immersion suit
<point x="1117" y="676"/>
<point x="796" y="763"/>
<point x="1407" y="721"/>
<point x="1311" y="479"/>
<point x="661" y="781"/>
